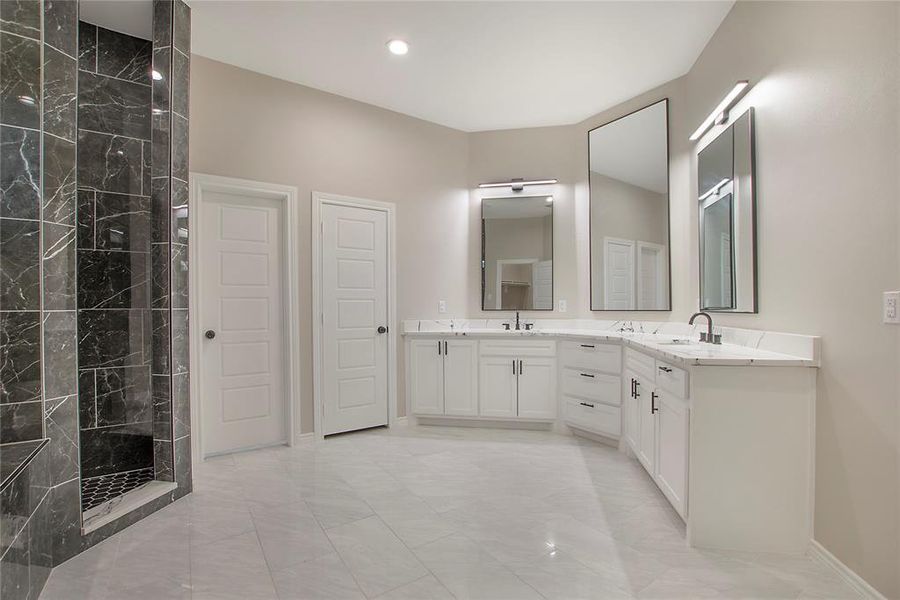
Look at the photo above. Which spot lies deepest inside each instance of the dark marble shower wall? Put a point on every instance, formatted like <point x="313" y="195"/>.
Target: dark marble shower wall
<point x="114" y="350"/>
<point x="38" y="316"/>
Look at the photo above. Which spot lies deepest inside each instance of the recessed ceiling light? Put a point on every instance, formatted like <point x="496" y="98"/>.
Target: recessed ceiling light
<point x="157" y="76"/>
<point x="398" y="47"/>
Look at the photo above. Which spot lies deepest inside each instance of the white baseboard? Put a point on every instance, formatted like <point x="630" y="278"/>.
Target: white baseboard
<point x="304" y="437"/>
<point x="860" y="585"/>
<point x="401" y="421"/>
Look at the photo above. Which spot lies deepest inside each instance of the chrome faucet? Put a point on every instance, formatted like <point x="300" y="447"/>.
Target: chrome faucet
<point x="707" y="337"/>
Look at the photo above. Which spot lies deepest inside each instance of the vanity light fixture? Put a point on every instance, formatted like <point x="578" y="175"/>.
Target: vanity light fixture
<point x="398" y="47"/>
<point x="720" y="114"/>
<point x="713" y="190"/>
<point x="517" y="185"/>
<point x="26" y="100"/>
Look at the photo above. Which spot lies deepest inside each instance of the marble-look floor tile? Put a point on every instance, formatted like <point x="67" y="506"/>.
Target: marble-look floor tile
<point x="253" y="529"/>
<point x="377" y="558"/>
<point x="324" y="578"/>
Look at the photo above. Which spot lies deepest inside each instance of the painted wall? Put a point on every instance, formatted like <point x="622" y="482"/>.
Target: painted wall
<point x="827" y="118"/>
<point x="280" y="132"/>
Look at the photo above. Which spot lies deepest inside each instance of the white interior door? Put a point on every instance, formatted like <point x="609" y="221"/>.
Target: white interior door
<point x="354" y="279"/>
<point x="242" y="304"/>
<point x="650" y="276"/>
<point x="618" y="284"/>
<point x="542" y="284"/>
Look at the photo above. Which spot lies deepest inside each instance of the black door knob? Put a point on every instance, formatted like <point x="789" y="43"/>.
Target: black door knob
<point x="382" y="329"/>
<point x="210" y="334"/>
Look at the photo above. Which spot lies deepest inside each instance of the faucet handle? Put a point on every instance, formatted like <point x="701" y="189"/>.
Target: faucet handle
<point x="529" y="326"/>
<point x="506" y="326"/>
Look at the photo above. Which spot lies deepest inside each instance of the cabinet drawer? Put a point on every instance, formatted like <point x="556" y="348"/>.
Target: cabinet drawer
<point x="517" y="348"/>
<point x="672" y="379"/>
<point x="592" y="386"/>
<point x="591" y="355"/>
<point x="598" y="418"/>
<point x="640" y="363"/>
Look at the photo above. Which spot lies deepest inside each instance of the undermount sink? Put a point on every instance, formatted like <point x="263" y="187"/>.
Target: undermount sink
<point x="678" y="343"/>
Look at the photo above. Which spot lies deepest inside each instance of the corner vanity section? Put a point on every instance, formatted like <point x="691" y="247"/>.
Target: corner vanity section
<point x="725" y="432"/>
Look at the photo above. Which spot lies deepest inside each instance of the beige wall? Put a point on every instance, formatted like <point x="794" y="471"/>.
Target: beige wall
<point x="255" y="127"/>
<point x="825" y="78"/>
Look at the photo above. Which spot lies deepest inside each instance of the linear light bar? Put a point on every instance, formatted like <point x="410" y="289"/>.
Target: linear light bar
<point x="722" y="109"/>
<point x="713" y="190"/>
<point x="517" y="184"/>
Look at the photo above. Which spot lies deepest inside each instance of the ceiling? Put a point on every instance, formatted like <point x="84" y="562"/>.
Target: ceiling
<point x="633" y="149"/>
<point x="473" y="66"/>
<point x="134" y="17"/>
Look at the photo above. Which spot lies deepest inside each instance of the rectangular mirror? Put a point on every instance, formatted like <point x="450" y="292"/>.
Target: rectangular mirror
<point x="725" y="184"/>
<point x="517" y="253"/>
<point x="629" y="211"/>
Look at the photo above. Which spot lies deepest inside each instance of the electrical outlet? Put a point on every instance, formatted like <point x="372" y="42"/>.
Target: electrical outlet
<point x="563" y="306"/>
<point x="442" y="306"/>
<point x="891" y="307"/>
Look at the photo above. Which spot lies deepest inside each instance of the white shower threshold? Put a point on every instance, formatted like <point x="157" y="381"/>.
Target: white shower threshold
<point x="109" y="511"/>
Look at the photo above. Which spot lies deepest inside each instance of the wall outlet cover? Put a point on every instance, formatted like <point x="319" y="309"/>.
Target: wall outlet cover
<point x="563" y="306"/>
<point x="891" y="307"/>
<point x="442" y="306"/>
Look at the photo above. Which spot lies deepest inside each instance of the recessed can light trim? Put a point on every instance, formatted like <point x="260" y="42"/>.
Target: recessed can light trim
<point x="398" y="47"/>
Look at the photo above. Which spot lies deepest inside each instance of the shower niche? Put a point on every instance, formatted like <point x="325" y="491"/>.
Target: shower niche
<point x="131" y="267"/>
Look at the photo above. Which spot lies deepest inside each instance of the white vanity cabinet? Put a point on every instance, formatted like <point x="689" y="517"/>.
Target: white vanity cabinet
<point x="657" y="422"/>
<point x="590" y="389"/>
<point x="517" y="379"/>
<point x="443" y="376"/>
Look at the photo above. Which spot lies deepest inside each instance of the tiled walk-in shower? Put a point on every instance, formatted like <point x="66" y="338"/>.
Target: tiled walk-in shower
<point x="94" y="389"/>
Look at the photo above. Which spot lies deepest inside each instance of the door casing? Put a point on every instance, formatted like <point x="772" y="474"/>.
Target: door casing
<point x="318" y="200"/>
<point x="199" y="184"/>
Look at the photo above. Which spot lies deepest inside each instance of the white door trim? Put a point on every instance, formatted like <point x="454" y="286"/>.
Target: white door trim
<point x="200" y="184"/>
<point x="318" y="200"/>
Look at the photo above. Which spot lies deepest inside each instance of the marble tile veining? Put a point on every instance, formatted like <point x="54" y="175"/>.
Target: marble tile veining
<point x="535" y="515"/>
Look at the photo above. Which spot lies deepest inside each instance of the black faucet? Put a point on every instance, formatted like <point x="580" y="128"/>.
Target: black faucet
<point x="708" y="336"/>
<point x="518" y="327"/>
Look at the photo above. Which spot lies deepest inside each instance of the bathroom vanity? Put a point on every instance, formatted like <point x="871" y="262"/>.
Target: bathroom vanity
<point x="725" y="431"/>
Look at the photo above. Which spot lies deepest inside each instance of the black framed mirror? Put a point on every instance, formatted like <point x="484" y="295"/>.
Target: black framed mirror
<point x="517" y="253"/>
<point x="727" y="219"/>
<point x="628" y="175"/>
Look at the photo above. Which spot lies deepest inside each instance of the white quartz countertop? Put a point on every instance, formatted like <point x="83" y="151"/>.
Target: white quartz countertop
<point x="680" y="347"/>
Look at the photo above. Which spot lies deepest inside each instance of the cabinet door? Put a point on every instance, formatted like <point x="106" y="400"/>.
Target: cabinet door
<point x="497" y="387"/>
<point x="537" y="388"/>
<point x="426" y="377"/>
<point x="461" y="377"/>
<point x="631" y="411"/>
<point x="646" y="434"/>
<point x="673" y="424"/>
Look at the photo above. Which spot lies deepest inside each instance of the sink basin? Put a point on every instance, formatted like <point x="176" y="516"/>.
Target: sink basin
<point x="678" y="343"/>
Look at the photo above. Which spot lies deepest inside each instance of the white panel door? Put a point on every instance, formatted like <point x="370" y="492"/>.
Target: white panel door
<point x="542" y="285"/>
<point x="354" y="306"/>
<point x="461" y="377"/>
<point x="241" y="300"/>
<point x="672" y="449"/>
<point x="426" y="376"/>
<point x="618" y="283"/>
<point x="646" y="450"/>
<point x="497" y="387"/>
<point x="650" y="276"/>
<point x="537" y="388"/>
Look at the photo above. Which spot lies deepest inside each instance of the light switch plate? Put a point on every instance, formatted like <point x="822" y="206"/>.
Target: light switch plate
<point x="891" y="307"/>
<point x="563" y="306"/>
<point x="442" y="306"/>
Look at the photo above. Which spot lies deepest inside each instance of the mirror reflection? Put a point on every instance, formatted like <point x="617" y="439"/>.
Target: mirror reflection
<point x="727" y="215"/>
<point x="629" y="205"/>
<point x="517" y="253"/>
